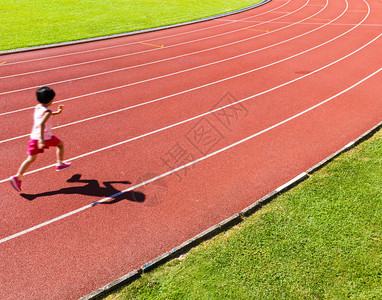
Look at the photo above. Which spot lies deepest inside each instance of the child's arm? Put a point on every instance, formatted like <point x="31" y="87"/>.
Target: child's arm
<point x="60" y="108"/>
<point x="41" y="142"/>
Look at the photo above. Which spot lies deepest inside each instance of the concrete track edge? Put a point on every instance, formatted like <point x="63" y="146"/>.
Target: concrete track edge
<point x="132" y="32"/>
<point x="228" y="223"/>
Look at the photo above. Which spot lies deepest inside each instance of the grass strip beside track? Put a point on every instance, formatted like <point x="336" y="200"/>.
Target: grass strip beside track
<point x="320" y="240"/>
<point x="40" y="22"/>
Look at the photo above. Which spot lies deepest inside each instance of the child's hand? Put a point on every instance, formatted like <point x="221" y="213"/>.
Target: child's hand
<point x="60" y="108"/>
<point x="41" y="144"/>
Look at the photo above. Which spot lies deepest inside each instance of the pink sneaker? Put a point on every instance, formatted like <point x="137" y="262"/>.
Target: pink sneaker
<point x="16" y="183"/>
<point x="63" y="167"/>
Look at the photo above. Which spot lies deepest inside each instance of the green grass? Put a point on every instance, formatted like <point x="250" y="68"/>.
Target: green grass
<point x="320" y="240"/>
<point x="26" y="23"/>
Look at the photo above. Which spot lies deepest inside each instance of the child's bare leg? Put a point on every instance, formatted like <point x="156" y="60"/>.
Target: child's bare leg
<point x="60" y="153"/>
<point x="25" y="165"/>
<point x="61" y="166"/>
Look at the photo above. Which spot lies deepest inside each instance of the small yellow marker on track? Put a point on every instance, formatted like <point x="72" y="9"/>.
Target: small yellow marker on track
<point x="320" y="19"/>
<point x="152" y="45"/>
<point x="256" y="30"/>
<point x="3" y="63"/>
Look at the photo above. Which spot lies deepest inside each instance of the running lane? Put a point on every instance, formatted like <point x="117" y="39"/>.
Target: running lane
<point x="194" y="131"/>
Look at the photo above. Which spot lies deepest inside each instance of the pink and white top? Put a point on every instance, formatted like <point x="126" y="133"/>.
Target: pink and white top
<point x="39" y="113"/>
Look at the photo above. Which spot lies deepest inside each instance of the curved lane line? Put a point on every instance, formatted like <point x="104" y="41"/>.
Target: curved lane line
<point x="149" y="40"/>
<point x="145" y="51"/>
<point x="183" y="71"/>
<point x="165" y="97"/>
<point x="158" y="61"/>
<point x="204" y="114"/>
<point x="183" y="166"/>
<point x="161" y="98"/>
<point x="168" y="96"/>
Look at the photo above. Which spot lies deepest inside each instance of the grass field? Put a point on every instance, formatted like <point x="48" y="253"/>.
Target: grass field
<point x="320" y="240"/>
<point x="28" y="23"/>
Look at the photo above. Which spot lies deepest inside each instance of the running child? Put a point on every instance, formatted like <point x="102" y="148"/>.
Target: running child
<point x="41" y="137"/>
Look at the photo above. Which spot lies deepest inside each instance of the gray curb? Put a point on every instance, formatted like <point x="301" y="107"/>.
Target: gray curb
<point x="226" y="224"/>
<point x="349" y="146"/>
<point x="132" y="32"/>
<point x="113" y="285"/>
<point x="156" y="262"/>
<point x="183" y="248"/>
<point x="196" y="240"/>
<point x="231" y="221"/>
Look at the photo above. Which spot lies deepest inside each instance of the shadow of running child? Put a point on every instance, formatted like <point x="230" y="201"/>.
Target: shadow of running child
<point x="93" y="188"/>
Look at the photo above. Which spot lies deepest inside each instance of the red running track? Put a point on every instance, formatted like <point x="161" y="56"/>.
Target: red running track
<point x="194" y="131"/>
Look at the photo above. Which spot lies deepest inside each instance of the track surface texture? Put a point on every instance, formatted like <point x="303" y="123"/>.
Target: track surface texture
<point x="194" y="123"/>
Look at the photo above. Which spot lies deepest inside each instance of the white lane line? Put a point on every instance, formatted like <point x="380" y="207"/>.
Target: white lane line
<point x="290" y="182"/>
<point x="306" y="23"/>
<point x="152" y="62"/>
<point x="153" y="49"/>
<point x="175" y="73"/>
<point x="185" y="91"/>
<point x="8" y="238"/>
<point x="165" y="97"/>
<point x="162" y="98"/>
<point x="201" y="115"/>
<point x="134" y="43"/>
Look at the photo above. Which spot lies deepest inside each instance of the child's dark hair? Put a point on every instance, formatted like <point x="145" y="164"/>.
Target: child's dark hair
<point x="45" y="94"/>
